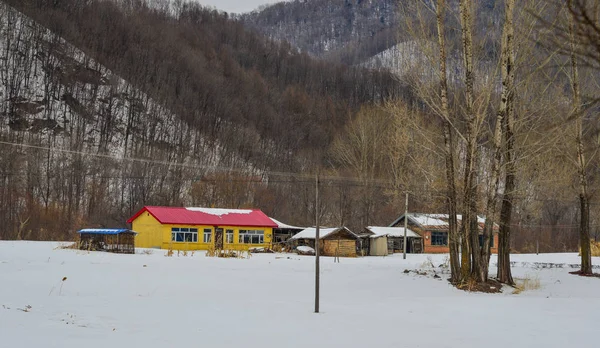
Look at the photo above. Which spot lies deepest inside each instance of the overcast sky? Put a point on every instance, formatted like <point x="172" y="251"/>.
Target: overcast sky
<point x="236" y="6"/>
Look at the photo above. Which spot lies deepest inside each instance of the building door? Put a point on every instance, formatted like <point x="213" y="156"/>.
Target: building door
<point x="218" y="238"/>
<point x="417" y="246"/>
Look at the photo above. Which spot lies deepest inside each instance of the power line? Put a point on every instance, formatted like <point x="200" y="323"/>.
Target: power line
<point x="298" y="178"/>
<point x="306" y="176"/>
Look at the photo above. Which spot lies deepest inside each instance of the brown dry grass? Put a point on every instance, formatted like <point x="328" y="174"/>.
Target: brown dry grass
<point x="74" y="245"/>
<point x="527" y="284"/>
<point x="227" y="253"/>
<point x="595" y="246"/>
<point x="491" y="286"/>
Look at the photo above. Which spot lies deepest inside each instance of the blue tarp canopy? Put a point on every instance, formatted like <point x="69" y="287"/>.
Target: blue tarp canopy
<point x="104" y="231"/>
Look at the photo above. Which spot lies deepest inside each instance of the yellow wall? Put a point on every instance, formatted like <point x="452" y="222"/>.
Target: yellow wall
<point x="152" y="234"/>
<point x="150" y="231"/>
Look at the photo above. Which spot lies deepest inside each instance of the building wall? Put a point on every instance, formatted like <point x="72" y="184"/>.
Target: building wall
<point x="329" y="247"/>
<point x="339" y="247"/>
<point x="379" y="246"/>
<point x="150" y="231"/>
<point x="153" y="234"/>
<point x="443" y="249"/>
<point x="495" y="248"/>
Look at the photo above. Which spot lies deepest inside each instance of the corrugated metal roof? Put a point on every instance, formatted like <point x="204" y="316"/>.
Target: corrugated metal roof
<point x="286" y="226"/>
<point x="103" y="231"/>
<point x="207" y="216"/>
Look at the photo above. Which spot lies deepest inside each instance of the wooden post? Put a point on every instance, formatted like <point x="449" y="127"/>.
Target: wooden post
<point x="317" y="244"/>
<point x="537" y="240"/>
<point x="405" y="225"/>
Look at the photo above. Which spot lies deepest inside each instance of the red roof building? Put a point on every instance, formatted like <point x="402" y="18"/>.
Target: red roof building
<point x="182" y="228"/>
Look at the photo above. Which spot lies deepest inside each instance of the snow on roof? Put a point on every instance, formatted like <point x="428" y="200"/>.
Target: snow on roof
<point x="429" y="219"/>
<point x="391" y="232"/>
<point x="433" y="221"/>
<point x="207" y="216"/>
<point x="220" y="211"/>
<point x="310" y="233"/>
<point x="286" y="226"/>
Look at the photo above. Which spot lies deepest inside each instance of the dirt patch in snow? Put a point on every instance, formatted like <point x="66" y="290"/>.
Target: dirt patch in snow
<point x="593" y="275"/>
<point x="491" y="287"/>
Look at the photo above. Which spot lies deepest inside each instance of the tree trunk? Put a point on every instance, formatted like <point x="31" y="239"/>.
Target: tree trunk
<point x="453" y="237"/>
<point x="504" y="271"/>
<point x="469" y="263"/>
<point x="507" y="67"/>
<point x="584" y="222"/>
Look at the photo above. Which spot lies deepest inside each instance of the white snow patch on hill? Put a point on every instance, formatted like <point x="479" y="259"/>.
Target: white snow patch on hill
<point x="238" y="6"/>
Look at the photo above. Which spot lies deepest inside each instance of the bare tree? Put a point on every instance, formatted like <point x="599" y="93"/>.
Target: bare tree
<point x="578" y="114"/>
<point x="504" y="126"/>
<point x="449" y="148"/>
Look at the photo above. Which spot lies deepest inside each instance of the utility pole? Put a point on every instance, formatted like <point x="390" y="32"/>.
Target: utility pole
<point x="405" y="225"/>
<point x="317" y="243"/>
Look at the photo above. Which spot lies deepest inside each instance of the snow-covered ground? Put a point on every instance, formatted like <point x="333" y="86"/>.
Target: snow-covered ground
<point x="143" y="300"/>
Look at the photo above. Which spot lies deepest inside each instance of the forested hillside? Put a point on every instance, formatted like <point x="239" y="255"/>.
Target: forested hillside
<point x="349" y="31"/>
<point x="117" y="104"/>
<point x="109" y="105"/>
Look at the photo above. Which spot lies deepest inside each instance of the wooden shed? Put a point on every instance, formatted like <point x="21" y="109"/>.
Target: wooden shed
<point x="389" y="240"/>
<point x="114" y="240"/>
<point x="337" y="241"/>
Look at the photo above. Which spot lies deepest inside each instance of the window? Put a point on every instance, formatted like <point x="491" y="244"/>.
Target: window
<point x="439" y="238"/>
<point x="252" y="236"/>
<point x="184" y="235"/>
<point x="229" y="236"/>
<point x="207" y="235"/>
<point x="481" y="241"/>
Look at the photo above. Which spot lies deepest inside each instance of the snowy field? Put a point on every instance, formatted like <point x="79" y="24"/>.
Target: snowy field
<point x="146" y="301"/>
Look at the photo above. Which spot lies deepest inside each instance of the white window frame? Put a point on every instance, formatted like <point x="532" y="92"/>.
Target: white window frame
<point x="184" y="234"/>
<point x="251" y="237"/>
<point x="207" y="233"/>
<point x="229" y="236"/>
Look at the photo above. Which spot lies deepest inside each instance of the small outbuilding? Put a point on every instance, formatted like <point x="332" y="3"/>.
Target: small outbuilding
<point x="114" y="240"/>
<point x="283" y="231"/>
<point x="389" y="240"/>
<point x="337" y="241"/>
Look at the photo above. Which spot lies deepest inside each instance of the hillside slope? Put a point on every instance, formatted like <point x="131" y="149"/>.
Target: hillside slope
<point x="343" y="30"/>
<point x="66" y="121"/>
<point x="184" y="90"/>
<point x="352" y="31"/>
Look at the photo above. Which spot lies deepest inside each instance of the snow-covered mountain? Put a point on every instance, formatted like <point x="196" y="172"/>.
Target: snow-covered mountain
<point x="74" y="133"/>
<point x="352" y="31"/>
